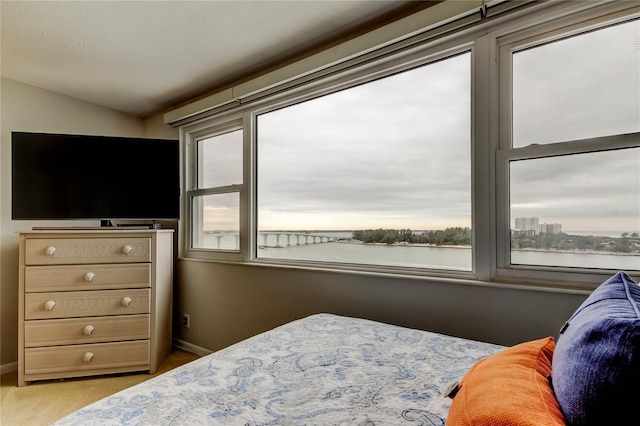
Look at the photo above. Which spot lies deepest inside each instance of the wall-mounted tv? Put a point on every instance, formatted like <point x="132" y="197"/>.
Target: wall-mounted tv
<point x="81" y="177"/>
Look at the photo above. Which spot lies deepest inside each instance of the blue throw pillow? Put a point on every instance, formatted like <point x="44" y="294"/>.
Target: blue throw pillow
<point x="596" y="363"/>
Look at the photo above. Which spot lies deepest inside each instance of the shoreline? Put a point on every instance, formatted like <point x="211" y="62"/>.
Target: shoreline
<point x="400" y="244"/>
<point x="614" y="253"/>
<point x="469" y="247"/>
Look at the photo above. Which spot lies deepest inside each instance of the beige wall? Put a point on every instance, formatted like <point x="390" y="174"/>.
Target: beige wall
<point x="228" y="303"/>
<point x="27" y="108"/>
<point x="154" y="127"/>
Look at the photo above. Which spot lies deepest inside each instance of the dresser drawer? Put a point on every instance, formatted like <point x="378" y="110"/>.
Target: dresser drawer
<point x="86" y="303"/>
<point x="85" y="330"/>
<point x="86" y="277"/>
<point x="55" y="251"/>
<point x="86" y="357"/>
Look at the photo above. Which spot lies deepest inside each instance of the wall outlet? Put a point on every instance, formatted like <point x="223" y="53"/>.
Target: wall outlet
<point x="186" y="320"/>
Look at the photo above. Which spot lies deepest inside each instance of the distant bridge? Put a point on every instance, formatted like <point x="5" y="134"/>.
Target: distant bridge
<point x="272" y="239"/>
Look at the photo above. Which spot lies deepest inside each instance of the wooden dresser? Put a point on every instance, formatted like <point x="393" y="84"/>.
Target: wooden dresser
<point x="93" y="301"/>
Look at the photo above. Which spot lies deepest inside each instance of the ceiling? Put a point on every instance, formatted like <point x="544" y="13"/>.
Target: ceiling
<point x="143" y="57"/>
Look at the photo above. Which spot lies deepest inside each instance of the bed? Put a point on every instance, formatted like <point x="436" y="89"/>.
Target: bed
<point x="327" y="369"/>
<point x="323" y="369"/>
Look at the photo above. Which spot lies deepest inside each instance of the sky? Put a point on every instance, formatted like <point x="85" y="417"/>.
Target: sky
<point x="395" y="153"/>
<point x="382" y="159"/>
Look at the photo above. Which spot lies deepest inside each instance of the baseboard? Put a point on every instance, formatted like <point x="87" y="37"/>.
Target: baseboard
<point x="189" y="347"/>
<point x="9" y="368"/>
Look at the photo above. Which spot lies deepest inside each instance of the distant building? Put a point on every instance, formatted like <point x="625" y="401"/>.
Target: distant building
<point x="527" y="224"/>
<point x="550" y="228"/>
<point x="532" y="226"/>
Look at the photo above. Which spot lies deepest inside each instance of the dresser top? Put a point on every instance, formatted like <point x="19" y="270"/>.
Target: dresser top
<point x="105" y="232"/>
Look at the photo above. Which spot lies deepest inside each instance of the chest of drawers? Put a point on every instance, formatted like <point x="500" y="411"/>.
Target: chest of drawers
<point x="93" y="302"/>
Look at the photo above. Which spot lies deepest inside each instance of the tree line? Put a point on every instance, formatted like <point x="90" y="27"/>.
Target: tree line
<point x="626" y="243"/>
<point x="448" y="236"/>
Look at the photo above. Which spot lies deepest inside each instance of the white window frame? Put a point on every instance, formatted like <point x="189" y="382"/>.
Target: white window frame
<point x="412" y="58"/>
<point x="190" y="135"/>
<point x="507" y="44"/>
<point x="491" y="45"/>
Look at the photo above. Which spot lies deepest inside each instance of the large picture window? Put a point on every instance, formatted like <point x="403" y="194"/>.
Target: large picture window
<point x="378" y="174"/>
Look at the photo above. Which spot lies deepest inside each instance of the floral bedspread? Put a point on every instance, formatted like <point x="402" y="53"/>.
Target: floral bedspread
<point x="320" y="370"/>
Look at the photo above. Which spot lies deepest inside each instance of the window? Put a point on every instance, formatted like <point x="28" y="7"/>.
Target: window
<point x="573" y="167"/>
<point x="215" y="199"/>
<point x="506" y="152"/>
<point x="372" y="174"/>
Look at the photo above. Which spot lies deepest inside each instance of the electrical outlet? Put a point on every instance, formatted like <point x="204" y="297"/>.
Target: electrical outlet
<point x="186" y="320"/>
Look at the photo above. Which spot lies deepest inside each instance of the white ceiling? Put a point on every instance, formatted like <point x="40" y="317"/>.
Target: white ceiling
<point x="141" y="57"/>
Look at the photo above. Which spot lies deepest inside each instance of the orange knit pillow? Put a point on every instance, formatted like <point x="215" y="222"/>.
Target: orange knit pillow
<point x="510" y="388"/>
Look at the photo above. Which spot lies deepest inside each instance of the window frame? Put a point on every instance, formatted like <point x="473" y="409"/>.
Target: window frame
<point x="190" y="135"/>
<point x="407" y="60"/>
<point x="510" y="42"/>
<point x="490" y="44"/>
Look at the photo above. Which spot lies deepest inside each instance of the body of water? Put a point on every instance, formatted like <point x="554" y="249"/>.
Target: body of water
<point x="301" y="246"/>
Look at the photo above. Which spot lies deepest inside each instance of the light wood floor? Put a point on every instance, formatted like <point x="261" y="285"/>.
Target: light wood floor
<point x="44" y="402"/>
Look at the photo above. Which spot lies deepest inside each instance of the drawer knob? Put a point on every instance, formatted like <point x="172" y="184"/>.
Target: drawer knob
<point x="127" y="249"/>
<point x="50" y="251"/>
<point x="89" y="276"/>
<point x="126" y="301"/>
<point x="87" y="357"/>
<point x="49" y="304"/>
<point x="88" y="329"/>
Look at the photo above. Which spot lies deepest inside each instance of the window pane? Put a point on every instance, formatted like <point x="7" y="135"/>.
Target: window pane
<point x="216" y="221"/>
<point x="580" y="210"/>
<point x="393" y="154"/>
<point x="220" y="160"/>
<point x="582" y="87"/>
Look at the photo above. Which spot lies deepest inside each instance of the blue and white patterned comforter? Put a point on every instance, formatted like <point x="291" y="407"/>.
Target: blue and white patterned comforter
<point x="320" y="370"/>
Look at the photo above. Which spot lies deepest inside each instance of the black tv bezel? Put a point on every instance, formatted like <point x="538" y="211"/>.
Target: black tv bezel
<point x="143" y="150"/>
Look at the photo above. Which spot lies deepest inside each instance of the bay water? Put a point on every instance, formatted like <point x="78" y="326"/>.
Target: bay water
<point x="334" y="247"/>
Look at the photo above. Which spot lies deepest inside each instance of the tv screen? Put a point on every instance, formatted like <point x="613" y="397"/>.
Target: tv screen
<point x="66" y="177"/>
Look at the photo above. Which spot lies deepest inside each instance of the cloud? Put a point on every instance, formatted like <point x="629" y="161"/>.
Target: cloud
<point x="567" y="188"/>
<point x="397" y="152"/>
<point x="579" y="87"/>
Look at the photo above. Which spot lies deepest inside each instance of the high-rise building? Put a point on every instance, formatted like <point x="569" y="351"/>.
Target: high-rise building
<point x="528" y="224"/>
<point x="550" y="228"/>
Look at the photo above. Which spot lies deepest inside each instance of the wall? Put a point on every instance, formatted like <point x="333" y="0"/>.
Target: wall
<point x="228" y="303"/>
<point x="154" y="127"/>
<point x="27" y="108"/>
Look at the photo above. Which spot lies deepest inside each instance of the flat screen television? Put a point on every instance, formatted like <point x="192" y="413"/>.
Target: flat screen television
<point x="83" y="177"/>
